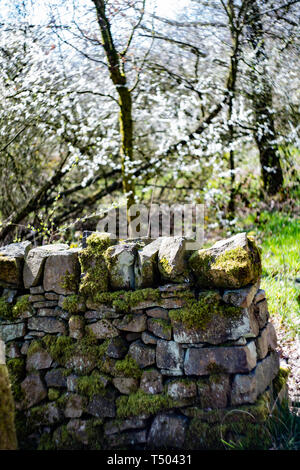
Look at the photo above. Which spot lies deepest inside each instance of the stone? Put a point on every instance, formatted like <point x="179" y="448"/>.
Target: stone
<point x="172" y="303"/>
<point x="247" y="387"/>
<point x="24" y="348"/>
<point x="132" y="336"/>
<point x="46" y="415"/>
<point x="117" y="348"/>
<point x="132" y="322"/>
<point x="40" y="359"/>
<point x="171" y="290"/>
<point x="114" y="427"/>
<point x="214" y="392"/>
<point x="240" y="297"/>
<point x="220" y="328"/>
<point x="79" y="429"/>
<point x="158" y="312"/>
<point x="72" y="383"/>
<point x="167" y="431"/>
<point x="2" y="352"/>
<point x="120" y="261"/>
<point x="232" y="360"/>
<point x="56" y="378"/>
<point x="47" y="325"/>
<point x="36" y="290"/>
<point x="46" y="304"/>
<point x="261" y="313"/>
<point x="9" y="295"/>
<point x="267" y="341"/>
<point x="231" y="263"/>
<point x="13" y="350"/>
<point x="81" y="364"/>
<point x="48" y="312"/>
<point x="11" y="263"/>
<point x="171" y="259"/>
<point x="126" y="385"/>
<point x="147" y="338"/>
<point x="160" y="328"/>
<point x="74" y="406"/>
<point x="102" y="406"/>
<point x="169" y="355"/>
<point x="12" y="331"/>
<point x="76" y="327"/>
<point x="145" y="268"/>
<point x="126" y="439"/>
<point x="51" y="296"/>
<point x="36" y="298"/>
<point x="99" y="314"/>
<point x="260" y="295"/>
<point x="34" y="263"/>
<point x="151" y="382"/>
<point x="33" y="389"/>
<point x="62" y="271"/>
<point x="143" y="355"/>
<point x="181" y="389"/>
<point x="103" y="329"/>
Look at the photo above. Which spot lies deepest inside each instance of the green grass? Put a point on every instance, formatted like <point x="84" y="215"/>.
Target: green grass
<point x="279" y="237"/>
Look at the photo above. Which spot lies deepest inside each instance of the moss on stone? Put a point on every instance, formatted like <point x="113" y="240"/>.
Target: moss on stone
<point x="124" y="300"/>
<point x="127" y="368"/>
<point x="34" y="347"/>
<point x="6" y="310"/>
<point x="70" y="281"/>
<point x="90" y="385"/>
<point x="22" y="305"/>
<point x="9" y="269"/>
<point x="46" y="442"/>
<point x="8" y="439"/>
<point x="197" y="314"/>
<point x="140" y="402"/>
<point x="73" y="304"/>
<point x="93" y="265"/>
<point x="280" y="381"/>
<point x="16" y="369"/>
<point x="53" y="394"/>
<point x="164" y="324"/>
<point x="60" y="348"/>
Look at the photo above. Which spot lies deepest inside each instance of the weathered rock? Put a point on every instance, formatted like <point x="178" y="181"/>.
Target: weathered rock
<point x="126" y="385"/>
<point x="261" y="313"/>
<point x="74" y="406"/>
<point x="34" y="263"/>
<point x="33" y="389"/>
<point x="169" y="355"/>
<point x="240" y="297"/>
<point x="171" y="259"/>
<point x="9" y="295"/>
<point x="120" y="259"/>
<point x="51" y="296"/>
<point x="172" y="303"/>
<point x="48" y="312"/>
<point x="12" y="331"/>
<point x="56" y="378"/>
<point x="102" y="312"/>
<point x="267" y="341"/>
<point x="46" y="415"/>
<point x="2" y="352"/>
<point x="181" y="389"/>
<point x="79" y="429"/>
<point x="214" y="391"/>
<point x="232" y="359"/>
<point x="152" y="382"/>
<point x="13" y="351"/>
<point x="167" y="431"/>
<point x="158" y="312"/>
<point x="81" y="364"/>
<point x="117" y="348"/>
<point x="47" y="325"/>
<point x="234" y="263"/>
<point x="46" y="304"/>
<point x="72" y="383"/>
<point x="132" y="322"/>
<point x="147" y="338"/>
<point x="62" y="271"/>
<point x="76" y="327"/>
<point x="37" y="290"/>
<point x="220" y="328"/>
<point x="145" y="268"/>
<point x="125" y="439"/>
<point x="40" y="359"/>
<point x="171" y="290"/>
<point x="132" y="336"/>
<point x="103" y="329"/>
<point x="161" y="328"/>
<point x="102" y="406"/>
<point x="116" y="426"/>
<point x="142" y="354"/>
<point x="11" y="263"/>
<point x="260" y="295"/>
<point x="246" y="388"/>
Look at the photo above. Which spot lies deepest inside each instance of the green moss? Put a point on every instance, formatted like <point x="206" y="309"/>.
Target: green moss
<point x="34" y="347"/>
<point x="127" y="368"/>
<point x="280" y="381"/>
<point x="22" y="305"/>
<point x="46" y="442"/>
<point x="16" y="369"/>
<point x="199" y="313"/>
<point x="93" y="264"/>
<point x="164" y="263"/>
<point x="8" y="439"/>
<point x="215" y="370"/>
<point x="124" y="300"/>
<point x="6" y="310"/>
<point x="91" y="385"/>
<point x="74" y="304"/>
<point x="164" y="324"/>
<point x="70" y="281"/>
<point x="60" y="348"/>
<point x="53" y="394"/>
<point x="140" y="402"/>
<point x="8" y="269"/>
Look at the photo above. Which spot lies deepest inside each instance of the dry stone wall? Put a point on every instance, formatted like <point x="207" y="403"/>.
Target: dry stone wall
<point x="138" y="344"/>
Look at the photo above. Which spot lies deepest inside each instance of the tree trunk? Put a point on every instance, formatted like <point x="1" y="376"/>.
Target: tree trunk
<point x="265" y="134"/>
